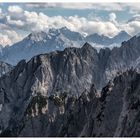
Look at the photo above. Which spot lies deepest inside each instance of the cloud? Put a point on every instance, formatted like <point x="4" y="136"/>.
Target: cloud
<point x="33" y="21"/>
<point x="113" y="18"/>
<point x="93" y="16"/>
<point x="14" y="22"/>
<point x="132" y="27"/>
<point x="15" y="9"/>
<point x="40" y="21"/>
<point x="8" y="36"/>
<point x="4" y="40"/>
<point x="133" y="8"/>
<point x="97" y="6"/>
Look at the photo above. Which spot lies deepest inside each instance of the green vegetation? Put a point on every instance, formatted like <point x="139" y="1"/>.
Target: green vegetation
<point x="59" y="100"/>
<point x="41" y="102"/>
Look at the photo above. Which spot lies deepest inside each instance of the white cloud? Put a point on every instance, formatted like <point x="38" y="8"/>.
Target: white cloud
<point x="4" y="40"/>
<point x="8" y="36"/>
<point x="132" y="27"/>
<point x="33" y="21"/>
<point x="109" y="6"/>
<point x="93" y="16"/>
<point x="112" y="17"/>
<point x="37" y="22"/>
<point x="13" y="35"/>
<point x="15" y="9"/>
<point x="14" y="22"/>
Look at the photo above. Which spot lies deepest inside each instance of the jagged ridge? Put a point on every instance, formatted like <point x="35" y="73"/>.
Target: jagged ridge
<point x="72" y="70"/>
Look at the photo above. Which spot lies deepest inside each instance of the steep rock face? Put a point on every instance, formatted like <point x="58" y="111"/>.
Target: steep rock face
<point x="73" y="70"/>
<point x="65" y="117"/>
<point x="55" y="115"/>
<point x="123" y="58"/>
<point x="117" y="112"/>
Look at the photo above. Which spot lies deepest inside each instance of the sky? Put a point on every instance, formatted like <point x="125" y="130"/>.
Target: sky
<point x="17" y="20"/>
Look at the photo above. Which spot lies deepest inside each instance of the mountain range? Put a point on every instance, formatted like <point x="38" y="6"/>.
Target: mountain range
<point x="56" y="39"/>
<point x="76" y="92"/>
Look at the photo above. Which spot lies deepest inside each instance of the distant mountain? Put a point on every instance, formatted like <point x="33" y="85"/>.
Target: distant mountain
<point x="55" y="39"/>
<point x="122" y="36"/>
<point x="104" y="40"/>
<point x="41" y="42"/>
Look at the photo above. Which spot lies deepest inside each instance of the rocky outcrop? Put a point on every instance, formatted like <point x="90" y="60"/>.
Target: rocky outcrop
<point x="56" y="115"/>
<point x="5" y="68"/>
<point x="117" y="112"/>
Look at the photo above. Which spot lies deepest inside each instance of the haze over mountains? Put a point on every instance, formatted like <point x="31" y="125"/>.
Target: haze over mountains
<point x="56" y="39"/>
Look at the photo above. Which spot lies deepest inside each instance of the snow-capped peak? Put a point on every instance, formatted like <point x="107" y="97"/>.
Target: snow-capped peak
<point x="53" y="39"/>
<point x="37" y="36"/>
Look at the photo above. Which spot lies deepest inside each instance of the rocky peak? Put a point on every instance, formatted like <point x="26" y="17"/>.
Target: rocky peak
<point x="87" y="47"/>
<point x="37" y="36"/>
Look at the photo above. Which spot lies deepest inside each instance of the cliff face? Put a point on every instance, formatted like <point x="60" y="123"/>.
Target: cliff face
<point x="119" y="59"/>
<point x="117" y="112"/>
<point x="66" y="116"/>
<point x="72" y="70"/>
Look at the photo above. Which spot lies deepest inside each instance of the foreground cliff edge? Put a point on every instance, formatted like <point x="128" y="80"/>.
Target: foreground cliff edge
<point x="57" y="94"/>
